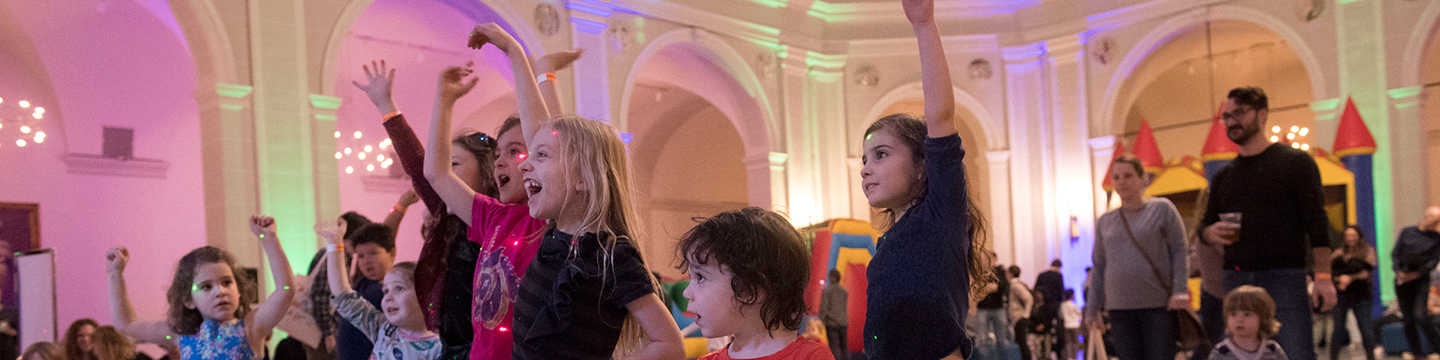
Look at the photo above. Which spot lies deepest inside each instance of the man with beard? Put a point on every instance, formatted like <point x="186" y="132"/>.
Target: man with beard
<point x="1273" y="212"/>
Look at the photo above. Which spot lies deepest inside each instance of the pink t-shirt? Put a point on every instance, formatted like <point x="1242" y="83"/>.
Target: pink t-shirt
<point x="509" y="239"/>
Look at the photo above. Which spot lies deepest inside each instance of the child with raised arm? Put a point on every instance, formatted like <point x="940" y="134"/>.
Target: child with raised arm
<point x="588" y="293"/>
<point x="477" y="294"/>
<point x="208" y="317"/>
<point x="397" y="329"/>
<point x="748" y="269"/>
<point x="921" y="276"/>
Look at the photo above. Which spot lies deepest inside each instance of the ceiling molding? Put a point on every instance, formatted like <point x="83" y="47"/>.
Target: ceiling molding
<point x="1145" y="11"/>
<point x="891" y="11"/>
<point x="909" y="46"/>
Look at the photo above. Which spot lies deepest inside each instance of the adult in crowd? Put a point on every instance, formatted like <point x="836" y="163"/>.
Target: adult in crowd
<point x="1140" y="270"/>
<point x="1021" y="302"/>
<point x="993" y="311"/>
<point x="1273" y="190"/>
<point x="1416" y="252"/>
<point x="1352" y="268"/>
<point x="1051" y="284"/>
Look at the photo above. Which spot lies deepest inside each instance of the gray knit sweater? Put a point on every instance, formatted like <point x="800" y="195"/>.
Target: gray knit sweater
<point x="1122" y="279"/>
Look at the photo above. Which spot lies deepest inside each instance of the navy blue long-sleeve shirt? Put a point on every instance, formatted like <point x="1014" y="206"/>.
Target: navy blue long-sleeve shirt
<point x="919" y="290"/>
<point x="1416" y="250"/>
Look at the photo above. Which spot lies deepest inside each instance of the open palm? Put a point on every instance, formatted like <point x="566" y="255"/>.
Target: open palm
<point x="379" y="79"/>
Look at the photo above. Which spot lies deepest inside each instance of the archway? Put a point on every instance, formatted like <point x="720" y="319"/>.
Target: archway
<point x="695" y="123"/>
<point x="1163" y="88"/>
<point x="418" y="38"/>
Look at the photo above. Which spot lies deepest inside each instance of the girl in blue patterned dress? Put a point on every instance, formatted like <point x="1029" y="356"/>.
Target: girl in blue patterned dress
<point x="210" y="315"/>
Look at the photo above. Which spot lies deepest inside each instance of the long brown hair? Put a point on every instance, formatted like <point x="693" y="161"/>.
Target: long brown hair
<point x="911" y="132"/>
<point x="1361" y="249"/>
<point x="72" y="337"/>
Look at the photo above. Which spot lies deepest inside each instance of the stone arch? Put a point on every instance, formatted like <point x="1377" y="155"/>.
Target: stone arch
<point x="514" y="22"/>
<point x="753" y="117"/>
<point x="1111" y="105"/>
<point x="989" y="126"/>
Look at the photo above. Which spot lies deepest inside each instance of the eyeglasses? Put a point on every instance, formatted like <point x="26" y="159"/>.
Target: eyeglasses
<point x="1235" y="114"/>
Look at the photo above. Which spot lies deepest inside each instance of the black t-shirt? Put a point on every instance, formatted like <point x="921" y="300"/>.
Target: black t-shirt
<point x="1359" y="289"/>
<point x="1283" y="210"/>
<point x="1051" y="284"/>
<point x="572" y="301"/>
<point x="919" y="280"/>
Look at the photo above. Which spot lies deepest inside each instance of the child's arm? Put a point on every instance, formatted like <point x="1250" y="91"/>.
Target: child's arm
<point x="121" y="312"/>
<point x="659" y="327"/>
<point x="335" y="259"/>
<point x="270" y="311"/>
<point x="533" y="112"/>
<point x="397" y="213"/>
<point x="939" y="94"/>
<point x="459" y="198"/>
<point x="547" y="65"/>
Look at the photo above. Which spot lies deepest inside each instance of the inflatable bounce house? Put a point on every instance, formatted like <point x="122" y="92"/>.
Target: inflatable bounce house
<point x="845" y="245"/>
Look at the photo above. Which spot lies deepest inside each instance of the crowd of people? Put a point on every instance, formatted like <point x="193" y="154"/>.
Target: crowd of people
<point x="531" y="252"/>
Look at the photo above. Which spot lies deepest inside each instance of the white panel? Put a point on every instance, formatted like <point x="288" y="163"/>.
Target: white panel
<point x="37" y="296"/>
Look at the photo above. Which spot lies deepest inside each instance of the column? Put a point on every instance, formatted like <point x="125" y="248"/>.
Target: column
<point x="801" y="138"/>
<point x="1072" y="180"/>
<point x="1030" y="134"/>
<point x="771" y="168"/>
<point x="588" y="20"/>
<point x="1000" y="208"/>
<point x="327" y="168"/>
<point x="283" y="132"/>
<point x="1360" y="32"/>
<point x="826" y="97"/>
<point x="227" y="146"/>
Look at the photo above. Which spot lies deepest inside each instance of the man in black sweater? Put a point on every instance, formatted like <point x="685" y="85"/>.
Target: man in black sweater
<point x="1416" y="252"/>
<point x="1275" y="191"/>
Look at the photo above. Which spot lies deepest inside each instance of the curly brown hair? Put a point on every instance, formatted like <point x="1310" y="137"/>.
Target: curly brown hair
<point x="72" y="339"/>
<point x="186" y="321"/>
<point x="768" y="263"/>
<point x="911" y="132"/>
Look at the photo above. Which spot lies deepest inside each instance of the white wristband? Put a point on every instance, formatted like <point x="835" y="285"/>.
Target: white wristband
<point x="330" y="248"/>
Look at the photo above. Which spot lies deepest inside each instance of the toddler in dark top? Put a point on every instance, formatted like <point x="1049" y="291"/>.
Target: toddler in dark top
<point x="748" y="270"/>
<point x="920" y="278"/>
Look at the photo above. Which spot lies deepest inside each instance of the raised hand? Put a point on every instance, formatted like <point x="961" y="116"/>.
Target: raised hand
<point x="919" y="11"/>
<point x="263" y="226"/>
<point x="380" y="79"/>
<point x="116" y="258"/>
<point x="453" y="84"/>
<point x="408" y="198"/>
<point x="331" y="233"/>
<point x="491" y="33"/>
<point x="557" y="61"/>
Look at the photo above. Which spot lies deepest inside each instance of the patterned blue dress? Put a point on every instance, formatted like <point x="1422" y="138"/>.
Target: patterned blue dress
<point x="217" y="341"/>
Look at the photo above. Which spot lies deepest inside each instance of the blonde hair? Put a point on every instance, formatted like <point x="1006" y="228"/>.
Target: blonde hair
<point x="596" y="155"/>
<point x="111" y="345"/>
<point x="1254" y="299"/>
<point x="43" y="350"/>
<point x="406" y="272"/>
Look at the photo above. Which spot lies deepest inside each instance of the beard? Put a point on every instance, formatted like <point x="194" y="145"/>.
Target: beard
<point x="1241" y="134"/>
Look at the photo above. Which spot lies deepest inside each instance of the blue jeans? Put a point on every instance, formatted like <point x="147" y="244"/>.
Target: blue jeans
<point x="996" y="321"/>
<point x="1362" y="320"/>
<point x="1143" y="334"/>
<point x="1292" y="306"/>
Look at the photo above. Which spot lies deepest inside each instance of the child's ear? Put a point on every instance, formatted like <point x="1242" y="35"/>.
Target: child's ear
<point x="190" y="304"/>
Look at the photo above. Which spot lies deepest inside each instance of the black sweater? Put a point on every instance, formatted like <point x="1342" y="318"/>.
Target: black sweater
<point x="1278" y="193"/>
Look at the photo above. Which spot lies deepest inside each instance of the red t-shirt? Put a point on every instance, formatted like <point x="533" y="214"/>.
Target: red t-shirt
<point x="802" y="349"/>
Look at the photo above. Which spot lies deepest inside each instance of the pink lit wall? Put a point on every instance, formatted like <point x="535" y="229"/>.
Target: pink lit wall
<point x="108" y="63"/>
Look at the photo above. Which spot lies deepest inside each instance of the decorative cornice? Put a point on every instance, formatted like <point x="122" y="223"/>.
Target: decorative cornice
<point x="325" y="102"/>
<point x="908" y="45"/>
<point x="890" y="11"/>
<point x="236" y="91"/>
<point x="1145" y="11"/>
<point x="101" y="165"/>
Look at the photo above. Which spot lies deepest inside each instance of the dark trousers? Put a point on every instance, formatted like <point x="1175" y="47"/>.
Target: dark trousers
<point x="1289" y="289"/>
<point x="1212" y="317"/>
<point x="1022" y="328"/>
<point x="836" y="336"/>
<point x="1143" y="334"/>
<point x="1362" y="320"/>
<point x="1413" y="296"/>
